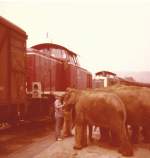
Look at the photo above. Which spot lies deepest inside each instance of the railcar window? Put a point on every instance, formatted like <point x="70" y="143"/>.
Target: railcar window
<point x="58" y="53"/>
<point x="76" y="61"/>
<point x="71" y="60"/>
<point x="53" y="53"/>
<point x="64" y="56"/>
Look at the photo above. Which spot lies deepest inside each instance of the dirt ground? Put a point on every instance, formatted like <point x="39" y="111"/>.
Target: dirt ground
<point x="64" y="149"/>
<point x="39" y="142"/>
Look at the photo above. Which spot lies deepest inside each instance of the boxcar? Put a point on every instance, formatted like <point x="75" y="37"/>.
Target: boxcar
<point x="12" y="70"/>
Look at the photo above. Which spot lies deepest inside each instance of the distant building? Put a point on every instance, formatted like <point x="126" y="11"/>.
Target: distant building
<point x="104" y="79"/>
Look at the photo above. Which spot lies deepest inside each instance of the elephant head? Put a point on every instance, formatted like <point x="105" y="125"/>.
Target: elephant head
<point x="70" y="98"/>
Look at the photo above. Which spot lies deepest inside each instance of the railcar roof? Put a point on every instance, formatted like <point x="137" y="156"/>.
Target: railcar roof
<point x="104" y="73"/>
<point x="12" y="26"/>
<point x="133" y="83"/>
<point x="52" y="45"/>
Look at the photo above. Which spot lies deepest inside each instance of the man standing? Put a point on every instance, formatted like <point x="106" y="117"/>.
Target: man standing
<point x="59" y="117"/>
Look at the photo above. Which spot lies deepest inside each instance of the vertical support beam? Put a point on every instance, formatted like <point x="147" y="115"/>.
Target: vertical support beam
<point x="9" y="65"/>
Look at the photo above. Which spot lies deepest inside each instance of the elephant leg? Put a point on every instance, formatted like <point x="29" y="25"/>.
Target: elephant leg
<point x="84" y="138"/>
<point x="104" y="134"/>
<point x="114" y="139"/>
<point x="78" y="136"/>
<point x="125" y="146"/>
<point x="146" y="134"/>
<point x="90" y="127"/>
<point x="135" y="134"/>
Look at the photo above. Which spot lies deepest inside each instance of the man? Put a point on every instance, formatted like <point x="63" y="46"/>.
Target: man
<point x="59" y="117"/>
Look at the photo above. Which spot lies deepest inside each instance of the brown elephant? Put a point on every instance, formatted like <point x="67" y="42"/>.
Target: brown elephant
<point x="137" y="103"/>
<point x="101" y="109"/>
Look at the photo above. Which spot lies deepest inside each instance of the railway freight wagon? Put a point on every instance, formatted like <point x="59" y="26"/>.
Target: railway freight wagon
<point x="52" y="68"/>
<point x="12" y="70"/>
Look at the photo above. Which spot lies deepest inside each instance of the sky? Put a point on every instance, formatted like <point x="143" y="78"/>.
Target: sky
<point x="112" y="35"/>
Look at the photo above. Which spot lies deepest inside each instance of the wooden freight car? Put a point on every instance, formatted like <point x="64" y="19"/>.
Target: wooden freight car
<point x="12" y="70"/>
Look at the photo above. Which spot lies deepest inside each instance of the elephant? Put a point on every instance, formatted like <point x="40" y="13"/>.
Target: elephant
<point x="137" y="104"/>
<point x="101" y="109"/>
<point x="138" y="109"/>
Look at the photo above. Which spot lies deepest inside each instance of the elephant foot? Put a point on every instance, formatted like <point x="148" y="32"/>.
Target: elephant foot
<point x="77" y="147"/>
<point x="126" y="151"/>
<point x="84" y="144"/>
